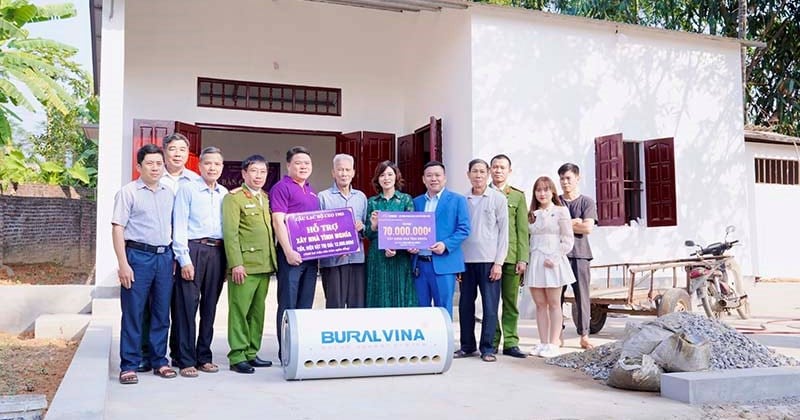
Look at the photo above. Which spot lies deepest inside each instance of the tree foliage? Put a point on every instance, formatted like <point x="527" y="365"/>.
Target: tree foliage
<point x="773" y="75"/>
<point x="45" y="67"/>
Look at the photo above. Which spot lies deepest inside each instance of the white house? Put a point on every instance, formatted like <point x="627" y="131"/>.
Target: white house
<point x="774" y="194"/>
<point x="451" y="80"/>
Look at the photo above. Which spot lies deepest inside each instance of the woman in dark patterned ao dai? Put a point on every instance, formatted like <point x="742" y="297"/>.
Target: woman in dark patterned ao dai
<point x="389" y="282"/>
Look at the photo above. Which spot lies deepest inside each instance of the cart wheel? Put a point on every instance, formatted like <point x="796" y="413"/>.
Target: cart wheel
<point x="598" y="314"/>
<point x="674" y="300"/>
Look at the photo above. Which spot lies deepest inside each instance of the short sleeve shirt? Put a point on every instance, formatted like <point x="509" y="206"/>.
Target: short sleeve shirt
<point x="582" y="207"/>
<point x="145" y="214"/>
<point x="287" y="196"/>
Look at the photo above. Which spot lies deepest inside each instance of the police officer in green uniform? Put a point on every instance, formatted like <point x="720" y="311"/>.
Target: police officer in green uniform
<point x="517" y="258"/>
<point x="250" y="251"/>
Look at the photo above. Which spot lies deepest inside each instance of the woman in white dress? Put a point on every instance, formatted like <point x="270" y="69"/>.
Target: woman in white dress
<point x="549" y="269"/>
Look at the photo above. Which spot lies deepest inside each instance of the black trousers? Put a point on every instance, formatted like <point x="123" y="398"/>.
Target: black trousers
<point x="344" y="286"/>
<point x="188" y="345"/>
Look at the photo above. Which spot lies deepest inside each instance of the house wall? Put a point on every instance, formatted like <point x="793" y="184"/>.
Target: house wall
<point x="775" y="230"/>
<point x="438" y="79"/>
<point x="153" y="52"/>
<point x="544" y="87"/>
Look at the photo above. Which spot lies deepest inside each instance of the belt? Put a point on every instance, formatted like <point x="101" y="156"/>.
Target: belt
<point x="147" y="248"/>
<point x="207" y="241"/>
<point x="427" y="258"/>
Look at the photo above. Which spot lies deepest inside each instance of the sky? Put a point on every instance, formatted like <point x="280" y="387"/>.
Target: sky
<point x="76" y="32"/>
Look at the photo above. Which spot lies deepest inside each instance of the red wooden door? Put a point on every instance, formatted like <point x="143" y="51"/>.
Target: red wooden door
<point x="368" y="149"/>
<point x="659" y="163"/>
<point x="154" y="131"/>
<point x="350" y="143"/>
<point x="148" y="132"/>
<point x="192" y="132"/>
<point x="410" y="160"/>
<point x="609" y="164"/>
<point x="375" y="148"/>
<point x="417" y="149"/>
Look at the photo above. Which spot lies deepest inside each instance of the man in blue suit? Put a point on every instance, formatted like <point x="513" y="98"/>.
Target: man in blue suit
<point x="435" y="268"/>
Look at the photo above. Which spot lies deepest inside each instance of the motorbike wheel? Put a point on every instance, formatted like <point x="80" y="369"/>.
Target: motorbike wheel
<point x="709" y="303"/>
<point x="674" y="300"/>
<point x="738" y="284"/>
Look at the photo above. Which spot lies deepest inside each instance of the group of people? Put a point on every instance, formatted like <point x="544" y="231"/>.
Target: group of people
<point x="178" y="236"/>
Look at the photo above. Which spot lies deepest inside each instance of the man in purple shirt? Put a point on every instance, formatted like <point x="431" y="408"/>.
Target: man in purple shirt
<point x="297" y="279"/>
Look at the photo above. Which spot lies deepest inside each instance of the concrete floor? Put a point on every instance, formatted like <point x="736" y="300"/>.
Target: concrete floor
<point x="508" y="389"/>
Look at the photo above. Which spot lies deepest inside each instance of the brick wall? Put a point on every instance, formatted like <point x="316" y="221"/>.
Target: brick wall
<point x="46" y="223"/>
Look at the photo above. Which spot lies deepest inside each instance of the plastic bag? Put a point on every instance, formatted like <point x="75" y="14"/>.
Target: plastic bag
<point x="643" y="341"/>
<point x="683" y="353"/>
<point x="636" y="373"/>
<point x="525" y="304"/>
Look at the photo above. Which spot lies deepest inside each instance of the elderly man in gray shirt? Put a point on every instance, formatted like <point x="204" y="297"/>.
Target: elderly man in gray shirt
<point x="343" y="279"/>
<point x="484" y="254"/>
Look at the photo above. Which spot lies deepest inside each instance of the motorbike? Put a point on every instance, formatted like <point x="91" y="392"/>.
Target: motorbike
<point x="716" y="279"/>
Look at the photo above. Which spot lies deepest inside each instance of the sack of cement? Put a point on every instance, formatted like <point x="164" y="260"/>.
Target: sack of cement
<point x="644" y="340"/>
<point x="683" y="353"/>
<point x="636" y="373"/>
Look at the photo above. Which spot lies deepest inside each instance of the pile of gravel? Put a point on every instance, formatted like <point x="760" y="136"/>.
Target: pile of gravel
<point x="730" y="349"/>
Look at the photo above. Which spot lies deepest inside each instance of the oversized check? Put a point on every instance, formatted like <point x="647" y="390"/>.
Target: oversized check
<point x="406" y="230"/>
<point x="323" y="233"/>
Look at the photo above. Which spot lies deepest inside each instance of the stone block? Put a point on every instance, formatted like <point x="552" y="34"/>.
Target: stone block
<point x="64" y="326"/>
<point x="22" y="407"/>
<point x="731" y="385"/>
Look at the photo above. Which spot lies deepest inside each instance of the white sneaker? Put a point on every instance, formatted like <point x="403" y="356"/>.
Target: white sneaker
<point x="550" y="350"/>
<point x="536" y="350"/>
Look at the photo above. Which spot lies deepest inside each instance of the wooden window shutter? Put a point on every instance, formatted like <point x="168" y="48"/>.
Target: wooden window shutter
<point x="609" y="173"/>
<point x="659" y="162"/>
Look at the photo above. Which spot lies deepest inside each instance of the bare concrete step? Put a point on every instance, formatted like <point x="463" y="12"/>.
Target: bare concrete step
<point x="731" y="385"/>
<point x="22" y="407"/>
<point x="83" y="391"/>
<point x="64" y="326"/>
<point x="106" y="308"/>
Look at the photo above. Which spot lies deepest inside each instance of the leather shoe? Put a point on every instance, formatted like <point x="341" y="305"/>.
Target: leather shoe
<point x="259" y="362"/>
<point x="242" y="367"/>
<point x="514" y="352"/>
<point x="144" y="367"/>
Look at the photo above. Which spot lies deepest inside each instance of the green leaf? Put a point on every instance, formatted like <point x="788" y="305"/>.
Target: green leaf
<point x="24" y="14"/>
<point x="13" y="31"/>
<point x="49" y="166"/>
<point x="55" y="11"/>
<point x="5" y="130"/>
<point x="17" y="98"/>
<point x="35" y="44"/>
<point x="79" y="172"/>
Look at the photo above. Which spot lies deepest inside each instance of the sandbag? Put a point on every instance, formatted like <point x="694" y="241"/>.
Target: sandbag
<point x="683" y="353"/>
<point x="643" y="341"/>
<point x="637" y="373"/>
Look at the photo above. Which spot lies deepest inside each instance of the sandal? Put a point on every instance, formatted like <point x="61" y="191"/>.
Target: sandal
<point x="460" y="354"/>
<point x="189" y="372"/>
<point x="488" y="357"/>
<point x="208" y="368"/>
<point x="128" y="377"/>
<point x="165" y="372"/>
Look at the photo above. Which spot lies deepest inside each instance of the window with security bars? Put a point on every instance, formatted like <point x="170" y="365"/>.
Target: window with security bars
<point x="777" y="171"/>
<point x="268" y="97"/>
